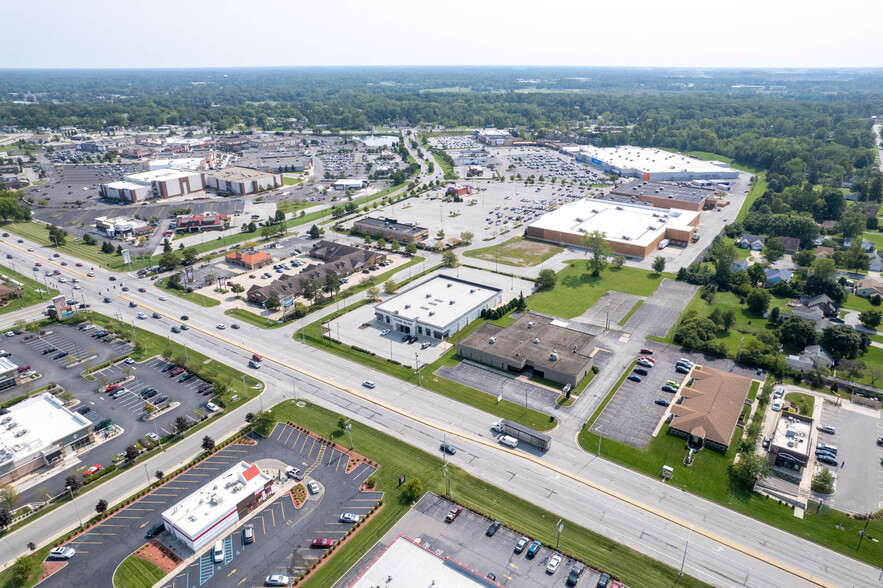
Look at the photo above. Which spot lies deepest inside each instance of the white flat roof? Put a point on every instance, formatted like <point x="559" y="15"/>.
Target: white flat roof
<point x="430" y="302"/>
<point x="405" y="564"/>
<point x="176" y="163"/>
<point x="200" y="511"/>
<point x="651" y="160"/>
<point x="44" y="419"/>
<point x="124" y="185"/>
<point x="161" y="175"/>
<point x="792" y="434"/>
<point x="624" y="223"/>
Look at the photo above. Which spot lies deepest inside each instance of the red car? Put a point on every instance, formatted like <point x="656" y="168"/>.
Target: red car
<point x="38" y="264"/>
<point x="79" y="265"/>
<point x="648" y="358"/>
<point x="56" y="272"/>
<point x="251" y="276"/>
<point x="256" y="357"/>
<point x="112" y="387"/>
<point x="322" y="543"/>
<point x="55" y="255"/>
<point x="92" y="470"/>
<point x="142" y="289"/>
<point x="646" y="350"/>
<point x="24" y="368"/>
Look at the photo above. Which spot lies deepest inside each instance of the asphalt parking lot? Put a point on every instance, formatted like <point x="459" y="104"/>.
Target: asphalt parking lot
<point x="27" y="349"/>
<point x="498" y="383"/>
<point x="632" y="415"/>
<point x="860" y="473"/>
<point x="465" y="541"/>
<point x="282" y="533"/>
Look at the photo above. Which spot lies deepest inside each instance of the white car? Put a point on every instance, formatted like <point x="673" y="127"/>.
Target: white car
<point x="277" y="580"/>
<point x="368" y="384"/>
<point x="218" y="552"/>
<point x="142" y="316"/>
<point x="162" y="298"/>
<point x="153" y="437"/>
<point x="509" y="441"/>
<point x="313" y="487"/>
<point x="349" y="517"/>
<point x="384" y="332"/>
<point x="91" y="274"/>
<point x="554" y="562"/>
<point x="62" y="552"/>
<point x="78" y="287"/>
<point x="62" y="280"/>
<point x="129" y="361"/>
<point x="220" y="326"/>
<point x="10" y="334"/>
<point x="212" y="407"/>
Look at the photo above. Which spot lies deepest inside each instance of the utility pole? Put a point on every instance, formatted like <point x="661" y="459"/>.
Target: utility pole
<point x="684" y="560"/>
<point x="447" y="482"/>
<point x="75" y="506"/>
<point x="863" y="532"/>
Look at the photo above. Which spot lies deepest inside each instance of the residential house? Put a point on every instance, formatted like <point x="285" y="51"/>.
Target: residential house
<point x="823" y="302"/>
<point x="740" y="265"/>
<point x="774" y="276"/>
<point x="808" y="313"/>
<point x="866" y="245"/>
<point x="753" y="242"/>
<point x="868" y="287"/>
<point x="792" y="244"/>
<point x="875" y="264"/>
<point x="853" y="197"/>
<point x="829" y="225"/>
<point x="812" y="357"/>
<point x="822" y="251"/>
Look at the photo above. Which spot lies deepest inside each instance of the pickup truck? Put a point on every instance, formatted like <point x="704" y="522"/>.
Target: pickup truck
<point x="455" y="512"/>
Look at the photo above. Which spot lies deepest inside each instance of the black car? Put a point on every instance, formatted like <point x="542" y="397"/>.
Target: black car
<point x="112" y="278"/>
<point x="168" y="368"/>
<point x="827" y="459"/>
<point x="107" y="300"/>
<point x="132" y="305"/>
<point x="49" y="350"/>
<point x="155" y="531"/>
<point x="184" y="317"/>
<point x="84" y="410"/>
<point x="59" y="355"/>
<point x="150" y="394"/>
<point x="161" y="400"/>
<point x="493" y="528"/>
<point x="185" y="377"/>
<point x="405" y="338"/>
<point x="208" y="390"/>
<point x="449" y="449"/>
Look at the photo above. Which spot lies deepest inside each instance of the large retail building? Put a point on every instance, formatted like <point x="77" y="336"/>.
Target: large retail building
<point x="654" y="164"/>
<point x="630" y="229"/>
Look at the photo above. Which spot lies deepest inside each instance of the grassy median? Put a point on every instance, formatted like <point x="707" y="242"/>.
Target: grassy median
<point x="136" y="572"/>
<point x="396" y="457"/>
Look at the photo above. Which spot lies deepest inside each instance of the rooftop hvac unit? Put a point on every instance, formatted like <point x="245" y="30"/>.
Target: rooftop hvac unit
<point x="449" y="285"/>
<point x="579" y="220"/>
<point x="407" y="306"/>
<point x="431" y="313"/>
<point x="535" y="341"/>
<point x="530" y="325"/>
<point x="192" y="518"/>
<point x="553" y="356"/>
<point x="619" y="208"/>
<point x="428" y="295"/>
<point x="472" y="290"/>
<point x="451" y="301"/>
<point x="217" y="499"/>
<point x="492" y="340"/>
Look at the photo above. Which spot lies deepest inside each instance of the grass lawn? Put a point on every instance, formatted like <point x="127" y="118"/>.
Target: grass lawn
<point x="289" y="181"/>
<point x="740" y="252"/>
<point x="135" y="572"/>
<point x="8" y="580"/>
<point x="875" y="238"/>
<point x="396" y="457"/>
<point x="481" y="400"/>
<point x="858" y="303"/>
<point x="289" y="206"/>
<point x="708" y="477"/>
<point x="804" y="402"/>
<point x="518" y="252"/>
<point x="747" y="323"/>
<point x="251" y="318"/>
<point x="442" y="164"/>
<point x="30" y="295"/>
<point x="577" y="289"/>
<point x="193" y="297"/>
<point x="872" y="357"/>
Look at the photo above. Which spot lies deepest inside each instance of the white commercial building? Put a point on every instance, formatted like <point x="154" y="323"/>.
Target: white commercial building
<point x="177" y="163"/>
<point x="125" y="191"/>
<point x="437" y="308"/>
<point x="242" y="181"/>
<point x="631" y="230"/>
<point x="404" y="564"/>
<point x="121" y="227"/>
<point x="170" y="182"/>
<point x="350" y="184"/>
<point x="201" y="517"/>
<point x="39" y="432"/>
<point x="654" y="164"/>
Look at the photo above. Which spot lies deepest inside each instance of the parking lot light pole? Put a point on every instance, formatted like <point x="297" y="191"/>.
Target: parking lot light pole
<point x="560" y="528"/>
<point x="147" y="473"/>
<point x="75" y="506"/>
<point x="349" y="430"/>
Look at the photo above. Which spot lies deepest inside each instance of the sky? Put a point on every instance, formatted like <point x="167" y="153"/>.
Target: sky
<point x="246" y="33"/>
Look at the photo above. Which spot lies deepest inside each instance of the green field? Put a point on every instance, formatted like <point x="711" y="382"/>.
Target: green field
<point x="396" y="458"/>
<point x="136" y="572"/>
<point x="290" y="206"/>
<point x="251" y="318"/>
<point x="518" y="252"/>
<point x="747" y="323"/>
<point x="577" y="290"/>
<point x="194" y="297"/>
<point x="804" y="402"/>
<point x="30" y="295"/>
<point x="858" y="303"/>
<point x="289" y="181"/>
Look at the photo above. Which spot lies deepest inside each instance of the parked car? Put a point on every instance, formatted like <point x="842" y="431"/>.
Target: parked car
<point x="349" y="517"/>
<point x="603" y="581"/>
<point x="313" y="487"/>
<point x="662" y="402"/>
<point x="322" y="543"/>
<point x="682" y="369"/>
<point x="647" y="350"/>
<point x="634" y="378"/>
<point x="92" y="470"/>
<point x="766" y="442"/>
<point x="827" y="429"/>
<point x="534" y="548"/>
<point x="645" y="363"/>
<point x="522" y="543"/>
<point x="212" y="407"/>
<point x="669" y="388"/>
<point x="641" y="371"/>
<point x="828" y="448"/>
<point x="154" y="531"/>
<point x="62" y="552"/>
<point x="575" y="572"/>
<point x="218" y="552"/>
<point x="248" y="534"/>
<point x="293" y="472"/>
<point x="553" y="564"/>
<point x="827" y="459"/>
<point x="493" y="528"/>
<point x="277" y="580"/>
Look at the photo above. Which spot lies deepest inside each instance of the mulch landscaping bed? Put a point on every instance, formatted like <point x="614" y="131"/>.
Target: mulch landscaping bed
<point x="159" y="555"/>
<point x="299" y="495"/>
<point x="50" y="567"/>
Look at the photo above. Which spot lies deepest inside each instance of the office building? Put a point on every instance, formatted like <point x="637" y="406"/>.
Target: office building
<point x="242" y="181"/>
<point x="390" y="229"/>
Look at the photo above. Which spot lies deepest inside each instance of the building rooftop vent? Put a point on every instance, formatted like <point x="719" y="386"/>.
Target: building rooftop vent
<point x="530" y="325"/>
<point x="451" y="301"/>
<point x="553" y="356"/>
<point x="492" y="340"/>
<point x="535" y="341"/>
<point x="449" y="285"/>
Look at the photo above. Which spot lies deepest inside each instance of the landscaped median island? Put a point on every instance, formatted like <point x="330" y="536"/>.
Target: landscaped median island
<point x="312" y="335"/>
<point x="398" y="458"/>
<point x="137" y="572"/>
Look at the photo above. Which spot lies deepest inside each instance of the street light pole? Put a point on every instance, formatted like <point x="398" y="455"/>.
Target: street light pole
<point x="684" y="560"/>
<point x="75" y="506"/>
<point x="560" y="528"/>
<point x="349" y="429"/>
